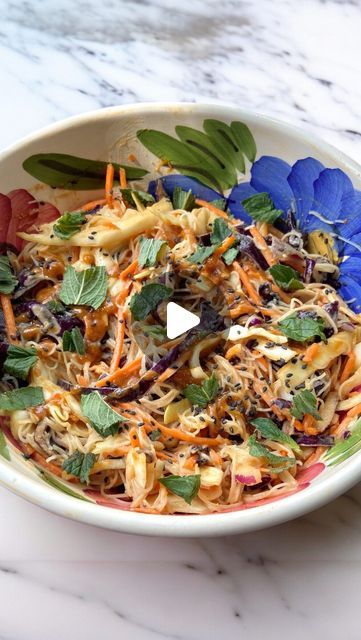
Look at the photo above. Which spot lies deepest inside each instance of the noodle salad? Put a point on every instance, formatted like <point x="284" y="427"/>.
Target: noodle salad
<point x="225" y="415"/>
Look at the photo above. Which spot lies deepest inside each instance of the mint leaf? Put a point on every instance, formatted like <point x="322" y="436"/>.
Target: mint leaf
<point x="87" y="287"/>
<point x="4" y="450"/>
<point x="19" y="361"/>
<point x="55" y="306"/>
<point x="304" y="402"/>
<point x="201" y="254"/>
<point x="8" y="281"/>
<point x="154" y="330"/>
<point x="101" y="416"/>
<point x="261" y="208"/>
<point x="186" y="487"/>
<point x="143" y="197"/>
<point x="69" y="224"/>
<point x="202" y="395"/>
<point x="73" y="341"/>
<point x="269" y="430"/>
<point x="80" y="464"/>
<point x="230" y="255"/>
<point x="220" y="231"/>
<point x="149" y="251"/>
<point x="21" y="398"/>
<point x="147" y="300"/>
<point x="286" y="277"/>
<point x="278" y="463"/>
<point x="184" y="200"/>
<point x="302" y="328"/>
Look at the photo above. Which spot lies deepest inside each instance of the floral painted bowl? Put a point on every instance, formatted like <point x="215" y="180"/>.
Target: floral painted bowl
<point x="217" y="151"/>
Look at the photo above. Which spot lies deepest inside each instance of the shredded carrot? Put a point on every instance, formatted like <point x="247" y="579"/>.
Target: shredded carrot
<point x="241" y="309"/>
<point x="349" y="367"/>
<point x="260" y="241"/>
<point x="260" y="360"/>
<point x="247" y="284"/>
<point x="187" y="437"/>
<point x="226" y="244"/>
<point x="119" y="341"/>
<point x="308" y="425"/>
<point x="53" y="468"/>
<point x="354" y="411"/>
<point x="133" y="435"/>
<point x="122" y="178"/>
<point x="211" y="207"/>
<point x="109" y="180"/>
<point x="9" y="318"/>
<point x="190" y="235"/>
<point x="262" y="275"/>
<point x="129" y="270"/>
<point x="123" y="373"/>
<point x="88" y="206"/>
<point x="314" y="456"/>
<point x="164" y="456"/>
<point x="216" y="458"/>
<point x="75" y="253"/>
<point x="190" y="463"/>
<point x="166" y="374"/>
<point x="311" y="352"/>
<point x="234" y="351"/>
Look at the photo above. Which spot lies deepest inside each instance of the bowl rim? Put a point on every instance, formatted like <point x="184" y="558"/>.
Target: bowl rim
<point x="215" y="524"/>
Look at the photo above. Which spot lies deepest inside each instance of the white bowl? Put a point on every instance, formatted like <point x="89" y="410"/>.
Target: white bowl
<point x="110" y="134"/>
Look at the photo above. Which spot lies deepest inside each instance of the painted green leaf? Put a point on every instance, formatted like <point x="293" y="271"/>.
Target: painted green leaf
<point x="70" y="172"/>
<point x="244" y="139"/>
<point x="54" y="482"/>
<point x="222" y="135"/>
<point x="212" y="156"/>
<point x="344" y="448"/>
<point x="182" y="157"/>
<point x="211" y="150"/>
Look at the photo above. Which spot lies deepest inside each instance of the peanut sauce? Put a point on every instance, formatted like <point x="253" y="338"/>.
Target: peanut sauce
<point x="46" y="293"/>
<point x="96" y="324"/>
<point x="53" y="268"/>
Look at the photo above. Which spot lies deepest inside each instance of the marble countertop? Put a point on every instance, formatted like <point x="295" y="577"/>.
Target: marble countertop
<point x="296" y="61"/>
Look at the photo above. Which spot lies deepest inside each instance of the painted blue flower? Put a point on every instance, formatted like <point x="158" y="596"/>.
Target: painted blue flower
<point x="322" y="199"/>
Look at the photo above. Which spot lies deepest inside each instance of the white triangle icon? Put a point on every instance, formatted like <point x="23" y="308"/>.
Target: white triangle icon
<point x="179" y="320"/>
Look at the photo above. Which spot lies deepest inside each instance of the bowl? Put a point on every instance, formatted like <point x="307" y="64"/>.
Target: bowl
<point x="111" y="135"/>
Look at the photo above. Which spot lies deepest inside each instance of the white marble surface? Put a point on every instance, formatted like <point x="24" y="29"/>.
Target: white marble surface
<point x="296" y="60"/>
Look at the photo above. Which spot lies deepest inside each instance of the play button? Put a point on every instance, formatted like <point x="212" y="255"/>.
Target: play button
<point x="179" y="320"/>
